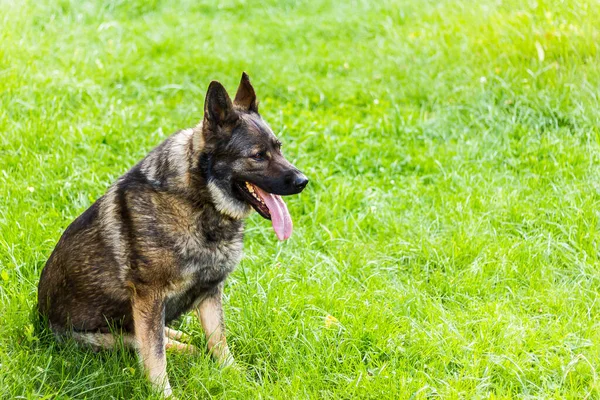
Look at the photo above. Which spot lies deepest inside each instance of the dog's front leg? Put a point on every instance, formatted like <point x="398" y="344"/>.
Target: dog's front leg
<point x="149" y="324"/>
<point x="210" y="313"/>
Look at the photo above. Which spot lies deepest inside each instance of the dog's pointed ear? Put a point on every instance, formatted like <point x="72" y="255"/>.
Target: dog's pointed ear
<point x="245" y="97"/>
<point x="218" y="108"/>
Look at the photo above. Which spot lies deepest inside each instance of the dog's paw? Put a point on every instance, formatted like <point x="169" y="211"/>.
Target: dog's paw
<point x="227" y="361"/>
<point x="161" y="388"/>
<point x="231" y="366"/>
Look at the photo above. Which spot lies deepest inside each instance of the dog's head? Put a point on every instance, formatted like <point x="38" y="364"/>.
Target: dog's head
<point x="242" y="160"/>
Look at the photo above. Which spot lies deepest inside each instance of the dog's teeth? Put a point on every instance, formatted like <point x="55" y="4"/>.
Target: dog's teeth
<point x="250" y="188"/>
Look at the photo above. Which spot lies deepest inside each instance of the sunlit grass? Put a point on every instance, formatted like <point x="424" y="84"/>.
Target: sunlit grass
<point x="447" y="243"/>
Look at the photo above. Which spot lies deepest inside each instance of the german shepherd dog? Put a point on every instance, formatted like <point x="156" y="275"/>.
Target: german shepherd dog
<point x="166" y="235"/>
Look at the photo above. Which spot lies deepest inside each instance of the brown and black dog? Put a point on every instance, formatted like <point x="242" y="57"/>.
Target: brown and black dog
<point x="165" y="236"/>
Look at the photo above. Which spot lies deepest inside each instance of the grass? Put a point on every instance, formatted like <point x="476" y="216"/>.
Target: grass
<point x="447" y="245"/>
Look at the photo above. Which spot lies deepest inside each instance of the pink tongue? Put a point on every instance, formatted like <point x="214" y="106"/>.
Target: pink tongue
<point x="280" y="216"/>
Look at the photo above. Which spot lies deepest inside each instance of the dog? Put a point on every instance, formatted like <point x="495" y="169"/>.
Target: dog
<point x="164" y="237"/>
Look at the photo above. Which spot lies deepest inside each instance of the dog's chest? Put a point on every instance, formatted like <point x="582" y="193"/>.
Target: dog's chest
<point x="211" y="264"/>
<point x="210" y="249"/>
<point x="207" y="253"/>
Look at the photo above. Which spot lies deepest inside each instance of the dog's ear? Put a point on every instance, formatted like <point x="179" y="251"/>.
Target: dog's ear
<point x="218" y="108"/>
<point x="245" y="97"/>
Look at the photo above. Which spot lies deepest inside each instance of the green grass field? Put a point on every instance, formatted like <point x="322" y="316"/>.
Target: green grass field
<point x="447" y="245"/>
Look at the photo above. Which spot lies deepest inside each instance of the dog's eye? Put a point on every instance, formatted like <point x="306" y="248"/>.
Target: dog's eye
<point x="260" y="156"/>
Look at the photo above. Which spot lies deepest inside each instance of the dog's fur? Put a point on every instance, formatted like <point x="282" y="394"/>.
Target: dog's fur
<point x="164" y="237"/>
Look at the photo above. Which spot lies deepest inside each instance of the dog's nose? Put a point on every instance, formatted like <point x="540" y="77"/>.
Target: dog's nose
<point x="300" y="181"/>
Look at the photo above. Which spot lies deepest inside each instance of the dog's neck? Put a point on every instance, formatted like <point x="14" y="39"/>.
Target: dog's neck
<point x="180" y="167"/>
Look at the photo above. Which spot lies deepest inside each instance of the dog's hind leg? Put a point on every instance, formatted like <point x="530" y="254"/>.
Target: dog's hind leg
<point x="173" y="341"/>
<point x="98" y="341"/>
<point x="173" y="344"/>
<point x="176" y="335"/>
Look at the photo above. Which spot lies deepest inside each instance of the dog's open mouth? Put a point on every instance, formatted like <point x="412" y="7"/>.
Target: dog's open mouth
<point x="269" y="206"/>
